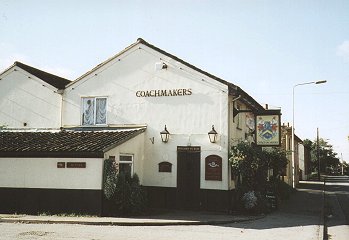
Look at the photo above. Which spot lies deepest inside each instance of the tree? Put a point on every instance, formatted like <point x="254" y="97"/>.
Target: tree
<point x="329" y="163"/>
<point x="250" y="164"/>
<point x="346" y="168"/>
<point x="123" y="194"/>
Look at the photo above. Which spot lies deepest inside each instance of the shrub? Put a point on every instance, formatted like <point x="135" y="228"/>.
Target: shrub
<point x="250" y="165"/>
<point x="124" y="194"/>
<point x="250" y="200"/>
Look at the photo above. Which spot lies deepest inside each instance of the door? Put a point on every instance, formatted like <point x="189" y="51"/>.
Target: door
<point x="188" y="178"/>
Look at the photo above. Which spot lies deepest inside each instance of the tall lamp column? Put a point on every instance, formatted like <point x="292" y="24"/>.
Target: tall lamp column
<point x="293" y="128"/>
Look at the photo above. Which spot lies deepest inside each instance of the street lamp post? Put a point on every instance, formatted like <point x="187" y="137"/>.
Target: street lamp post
<point x="293" y="128"/>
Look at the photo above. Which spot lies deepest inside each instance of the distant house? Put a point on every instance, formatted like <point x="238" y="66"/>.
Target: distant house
<point x="299" y="162"/>
<point x="58" y="132"/>
<point x="304" y="162"/>
<point x="30" y="98"/>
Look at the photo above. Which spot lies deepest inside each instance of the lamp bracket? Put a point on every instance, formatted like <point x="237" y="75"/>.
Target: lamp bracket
<point x="237" y="111"/>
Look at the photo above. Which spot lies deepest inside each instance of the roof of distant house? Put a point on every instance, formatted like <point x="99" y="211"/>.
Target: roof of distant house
<point x="56" y="81"/>
<point x="63" y="143"/>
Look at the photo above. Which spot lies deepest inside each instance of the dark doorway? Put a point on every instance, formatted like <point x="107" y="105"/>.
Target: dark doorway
<point x="188" y="178"/>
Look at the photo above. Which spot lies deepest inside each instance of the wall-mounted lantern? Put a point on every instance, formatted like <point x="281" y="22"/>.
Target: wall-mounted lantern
<point x="212" y="135"/>
<point x="165" y="135"/>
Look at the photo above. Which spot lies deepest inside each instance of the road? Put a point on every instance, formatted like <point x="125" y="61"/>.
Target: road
<point x="297" y="218"/>
<point x="337" y="202"/>
<point x="259" y="229"/>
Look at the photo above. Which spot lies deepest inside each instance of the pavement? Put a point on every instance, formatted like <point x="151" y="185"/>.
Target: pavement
<point x="172" y="217"/>
<point x="307" y="201"/>
<point x="304" y="197"/>
<point x="337" y="207"/>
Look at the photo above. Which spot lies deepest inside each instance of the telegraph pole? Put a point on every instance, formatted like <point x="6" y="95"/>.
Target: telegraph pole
<point x="318" y="152"/>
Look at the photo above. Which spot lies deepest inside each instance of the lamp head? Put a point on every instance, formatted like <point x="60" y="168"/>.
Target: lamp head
<point x="321" y="81"/>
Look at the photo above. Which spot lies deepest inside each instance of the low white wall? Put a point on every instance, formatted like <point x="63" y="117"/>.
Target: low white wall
<point x="159" y="152"/>
<point x="43" y="173"/>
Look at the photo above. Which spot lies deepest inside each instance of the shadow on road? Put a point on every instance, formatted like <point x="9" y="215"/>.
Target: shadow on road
<point x="304" y="208"/>
<point x="336" y="200"/>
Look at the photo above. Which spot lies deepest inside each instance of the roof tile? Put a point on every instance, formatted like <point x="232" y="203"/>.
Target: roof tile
<point x="77" y="142"/>
<point x="56" y="81"/>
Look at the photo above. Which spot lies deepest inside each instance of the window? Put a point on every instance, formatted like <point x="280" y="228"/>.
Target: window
<point x="94" y="111"/>
<point x="126" y="164"/>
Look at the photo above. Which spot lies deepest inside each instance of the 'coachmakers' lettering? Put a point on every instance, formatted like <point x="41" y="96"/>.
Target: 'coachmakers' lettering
<point x="165" y="93"/>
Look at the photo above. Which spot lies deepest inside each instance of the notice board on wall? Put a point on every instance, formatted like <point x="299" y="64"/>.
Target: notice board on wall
<point x="213" y="168"/>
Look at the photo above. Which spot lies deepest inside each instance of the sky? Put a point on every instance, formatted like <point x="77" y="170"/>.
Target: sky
<point x="266" y="47"/>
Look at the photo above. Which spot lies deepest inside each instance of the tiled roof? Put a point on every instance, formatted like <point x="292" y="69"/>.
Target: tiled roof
<point x="62" y="143"/>
<point x="57" y="82"/>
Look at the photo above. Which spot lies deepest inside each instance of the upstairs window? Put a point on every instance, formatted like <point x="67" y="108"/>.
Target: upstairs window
<point x="94" y="111"/>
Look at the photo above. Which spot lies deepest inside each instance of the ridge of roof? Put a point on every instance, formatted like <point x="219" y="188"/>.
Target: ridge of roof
<point x="233" y="89"/>
<point x="102" y="64"/>
<point x="141" y="40"/>
<point x="56" y="81"/>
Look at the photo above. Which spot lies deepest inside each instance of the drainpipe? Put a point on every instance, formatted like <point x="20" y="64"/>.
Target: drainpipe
<point x="60" y="92"/>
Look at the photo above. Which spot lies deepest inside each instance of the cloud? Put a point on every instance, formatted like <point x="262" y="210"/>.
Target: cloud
<point x="343" y="50"/>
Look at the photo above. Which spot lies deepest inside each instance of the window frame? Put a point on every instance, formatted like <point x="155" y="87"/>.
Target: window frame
<point x="94" y="98"/>
<point x="127" y="162"/>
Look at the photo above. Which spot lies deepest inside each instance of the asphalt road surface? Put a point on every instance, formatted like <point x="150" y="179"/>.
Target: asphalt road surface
<point x="298" y="218"/>
<point x="337" y="204"/>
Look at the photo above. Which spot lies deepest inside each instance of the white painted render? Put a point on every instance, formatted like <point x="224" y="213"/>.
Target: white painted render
<point x="188" y="118"/>
<point x="238" y="130"/>
<point x="135" y="147"/>
<point x="301" y="161"/>
<point x="43" y="173"/>
<point x="28" y="102"/>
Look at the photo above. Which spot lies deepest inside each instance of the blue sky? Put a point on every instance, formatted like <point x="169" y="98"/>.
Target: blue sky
<point x="263" y="46"/>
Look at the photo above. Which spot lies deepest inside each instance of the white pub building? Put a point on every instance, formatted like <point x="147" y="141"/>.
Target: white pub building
<point x="155" y="114"/>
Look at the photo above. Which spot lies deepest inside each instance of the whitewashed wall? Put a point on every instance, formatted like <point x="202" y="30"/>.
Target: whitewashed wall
<point x="301" y="160"/>
<point x="238" y="130"/>
<point x="43" y="173"/>
<point x="27" y="99"/>
<point x="135" y="147"/>
<point x="188" y="118"/>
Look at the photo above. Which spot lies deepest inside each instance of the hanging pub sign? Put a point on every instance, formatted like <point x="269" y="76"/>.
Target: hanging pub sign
<point x="268" y="131"/>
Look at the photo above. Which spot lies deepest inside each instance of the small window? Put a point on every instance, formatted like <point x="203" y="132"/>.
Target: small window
<point x="126" y="164"/>
<point x="94" y="111"/>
